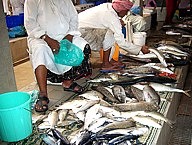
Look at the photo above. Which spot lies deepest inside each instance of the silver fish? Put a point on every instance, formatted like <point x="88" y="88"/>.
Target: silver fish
<point x="160" y="67"/>
<point x="151" y="95"/>
<point x="158" y="116"/>
<point x="91" y="115"/>
<point x="118" y="125"/>
<point x="98" y="80"/>
<point x="53" y="118"/>
<point x="132" y="130"/>
<point x="62" y="114"/>
<point x="162" y="88"/>
<point x="95" y="126"/>
<point x="138" y="94"/>
<point x="159" y="56"/>
<point x="87" y="105"/>
<point x="175" y="53"/>
<point x="107" y="93"/>
<point x="119" y="93"/>
<point x="149" y="121"/>
<point x="49" y="140"/>
<point x="144" y="56"/>
<point x="140" y="70"/>
<point x="72" y="104"/>
<point x="79" y="114"/>
<point x="92" y="95"/>
<point x="138" y="106"/>
<point x="171" y="48"/>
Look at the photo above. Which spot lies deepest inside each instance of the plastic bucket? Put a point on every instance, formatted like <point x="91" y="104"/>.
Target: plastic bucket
<point x="15" y="116"/>
<point x="139" y="38"/>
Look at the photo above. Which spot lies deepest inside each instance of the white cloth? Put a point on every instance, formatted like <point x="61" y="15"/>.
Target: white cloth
<point x="17" y="6"/>
<point x="104" y="16"/>
<point x="137" y="21"/>
<point x="56" y="18"/>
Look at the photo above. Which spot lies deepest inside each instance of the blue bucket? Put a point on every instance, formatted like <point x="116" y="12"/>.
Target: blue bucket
<point x="15" y="116"/>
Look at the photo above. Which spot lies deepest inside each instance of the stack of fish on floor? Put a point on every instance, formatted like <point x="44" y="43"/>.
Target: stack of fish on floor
<point x="120" y="107"/>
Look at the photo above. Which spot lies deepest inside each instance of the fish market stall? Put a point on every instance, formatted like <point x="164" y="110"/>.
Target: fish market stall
<point x="136" y="105"/>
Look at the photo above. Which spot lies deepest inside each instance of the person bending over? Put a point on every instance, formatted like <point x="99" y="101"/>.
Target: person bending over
<point x="101" y="26"/>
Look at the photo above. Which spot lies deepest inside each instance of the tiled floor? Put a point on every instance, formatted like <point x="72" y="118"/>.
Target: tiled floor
<point x="23" y="75"/>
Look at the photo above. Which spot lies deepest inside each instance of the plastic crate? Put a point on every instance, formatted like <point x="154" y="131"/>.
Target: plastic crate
<point x="15" y="20"/>
<point x="98" y="2"/>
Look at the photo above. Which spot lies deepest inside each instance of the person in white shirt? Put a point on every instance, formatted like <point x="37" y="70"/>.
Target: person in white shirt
<point x="47" y="23"/>
<point x="101" y="27"/>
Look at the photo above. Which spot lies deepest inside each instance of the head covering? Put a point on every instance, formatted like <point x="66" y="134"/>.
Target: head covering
<point x="120" y="5"/>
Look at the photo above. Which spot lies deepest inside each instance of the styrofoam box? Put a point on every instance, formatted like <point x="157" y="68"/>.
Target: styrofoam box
<point x="161" y="15"/>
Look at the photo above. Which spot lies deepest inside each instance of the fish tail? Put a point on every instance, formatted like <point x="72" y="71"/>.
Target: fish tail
<point x="187" y="94"/>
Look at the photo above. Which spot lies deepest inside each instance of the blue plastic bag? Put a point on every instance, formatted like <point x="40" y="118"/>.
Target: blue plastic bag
<point x="17" y="31"/>
<point x="69" y="54"/>
<point x="135" y="9"/>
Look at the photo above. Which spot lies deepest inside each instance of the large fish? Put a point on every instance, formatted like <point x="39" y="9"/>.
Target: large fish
<point x="107" y="93"/>
<point x="132" y="130"/>
<point x="72" y="104"/>
<point x="92" y="95"/>
<point x="134" y="80"/>
<point x="87" y="105"/>
<point x="118" y="125"/>
<point x="160" y="67"/>
<point x="159" y="56"/>
<point x="162" y="88"/>
<point x="98" y="80"/>
<point x="158" y="116"/>
<point x="138" y="106"/>
<point x="149" y="121"/>
<point x="91" y="115"/>
<point x="172" y="48"/>
<point x="140" y="70"/>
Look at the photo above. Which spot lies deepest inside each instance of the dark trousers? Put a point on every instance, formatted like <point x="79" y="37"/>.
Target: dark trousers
<point x="76" y="72"/>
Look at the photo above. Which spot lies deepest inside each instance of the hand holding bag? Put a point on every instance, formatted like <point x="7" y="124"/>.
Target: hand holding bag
<point x="69" y="54"/>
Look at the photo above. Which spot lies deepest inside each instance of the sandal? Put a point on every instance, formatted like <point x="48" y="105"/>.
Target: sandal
<point x="42" y="107"/>
<point x="72" y="88"/>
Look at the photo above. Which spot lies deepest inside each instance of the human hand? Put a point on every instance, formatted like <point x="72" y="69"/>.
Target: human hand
<point x="69" y="37"/>
<point x="53" y="44"/>
<point x="145" y="49"/>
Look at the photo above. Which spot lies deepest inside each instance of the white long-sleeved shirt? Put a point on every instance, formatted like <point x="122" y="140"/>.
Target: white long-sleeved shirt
<point x="57" y="18"/>
<point x="104" y="17"/>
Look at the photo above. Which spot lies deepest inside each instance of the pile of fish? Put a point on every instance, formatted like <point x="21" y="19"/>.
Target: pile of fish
<point x="118" y="108"/>
<point x="166" y="53"/>
<point x="108" y="115"/>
